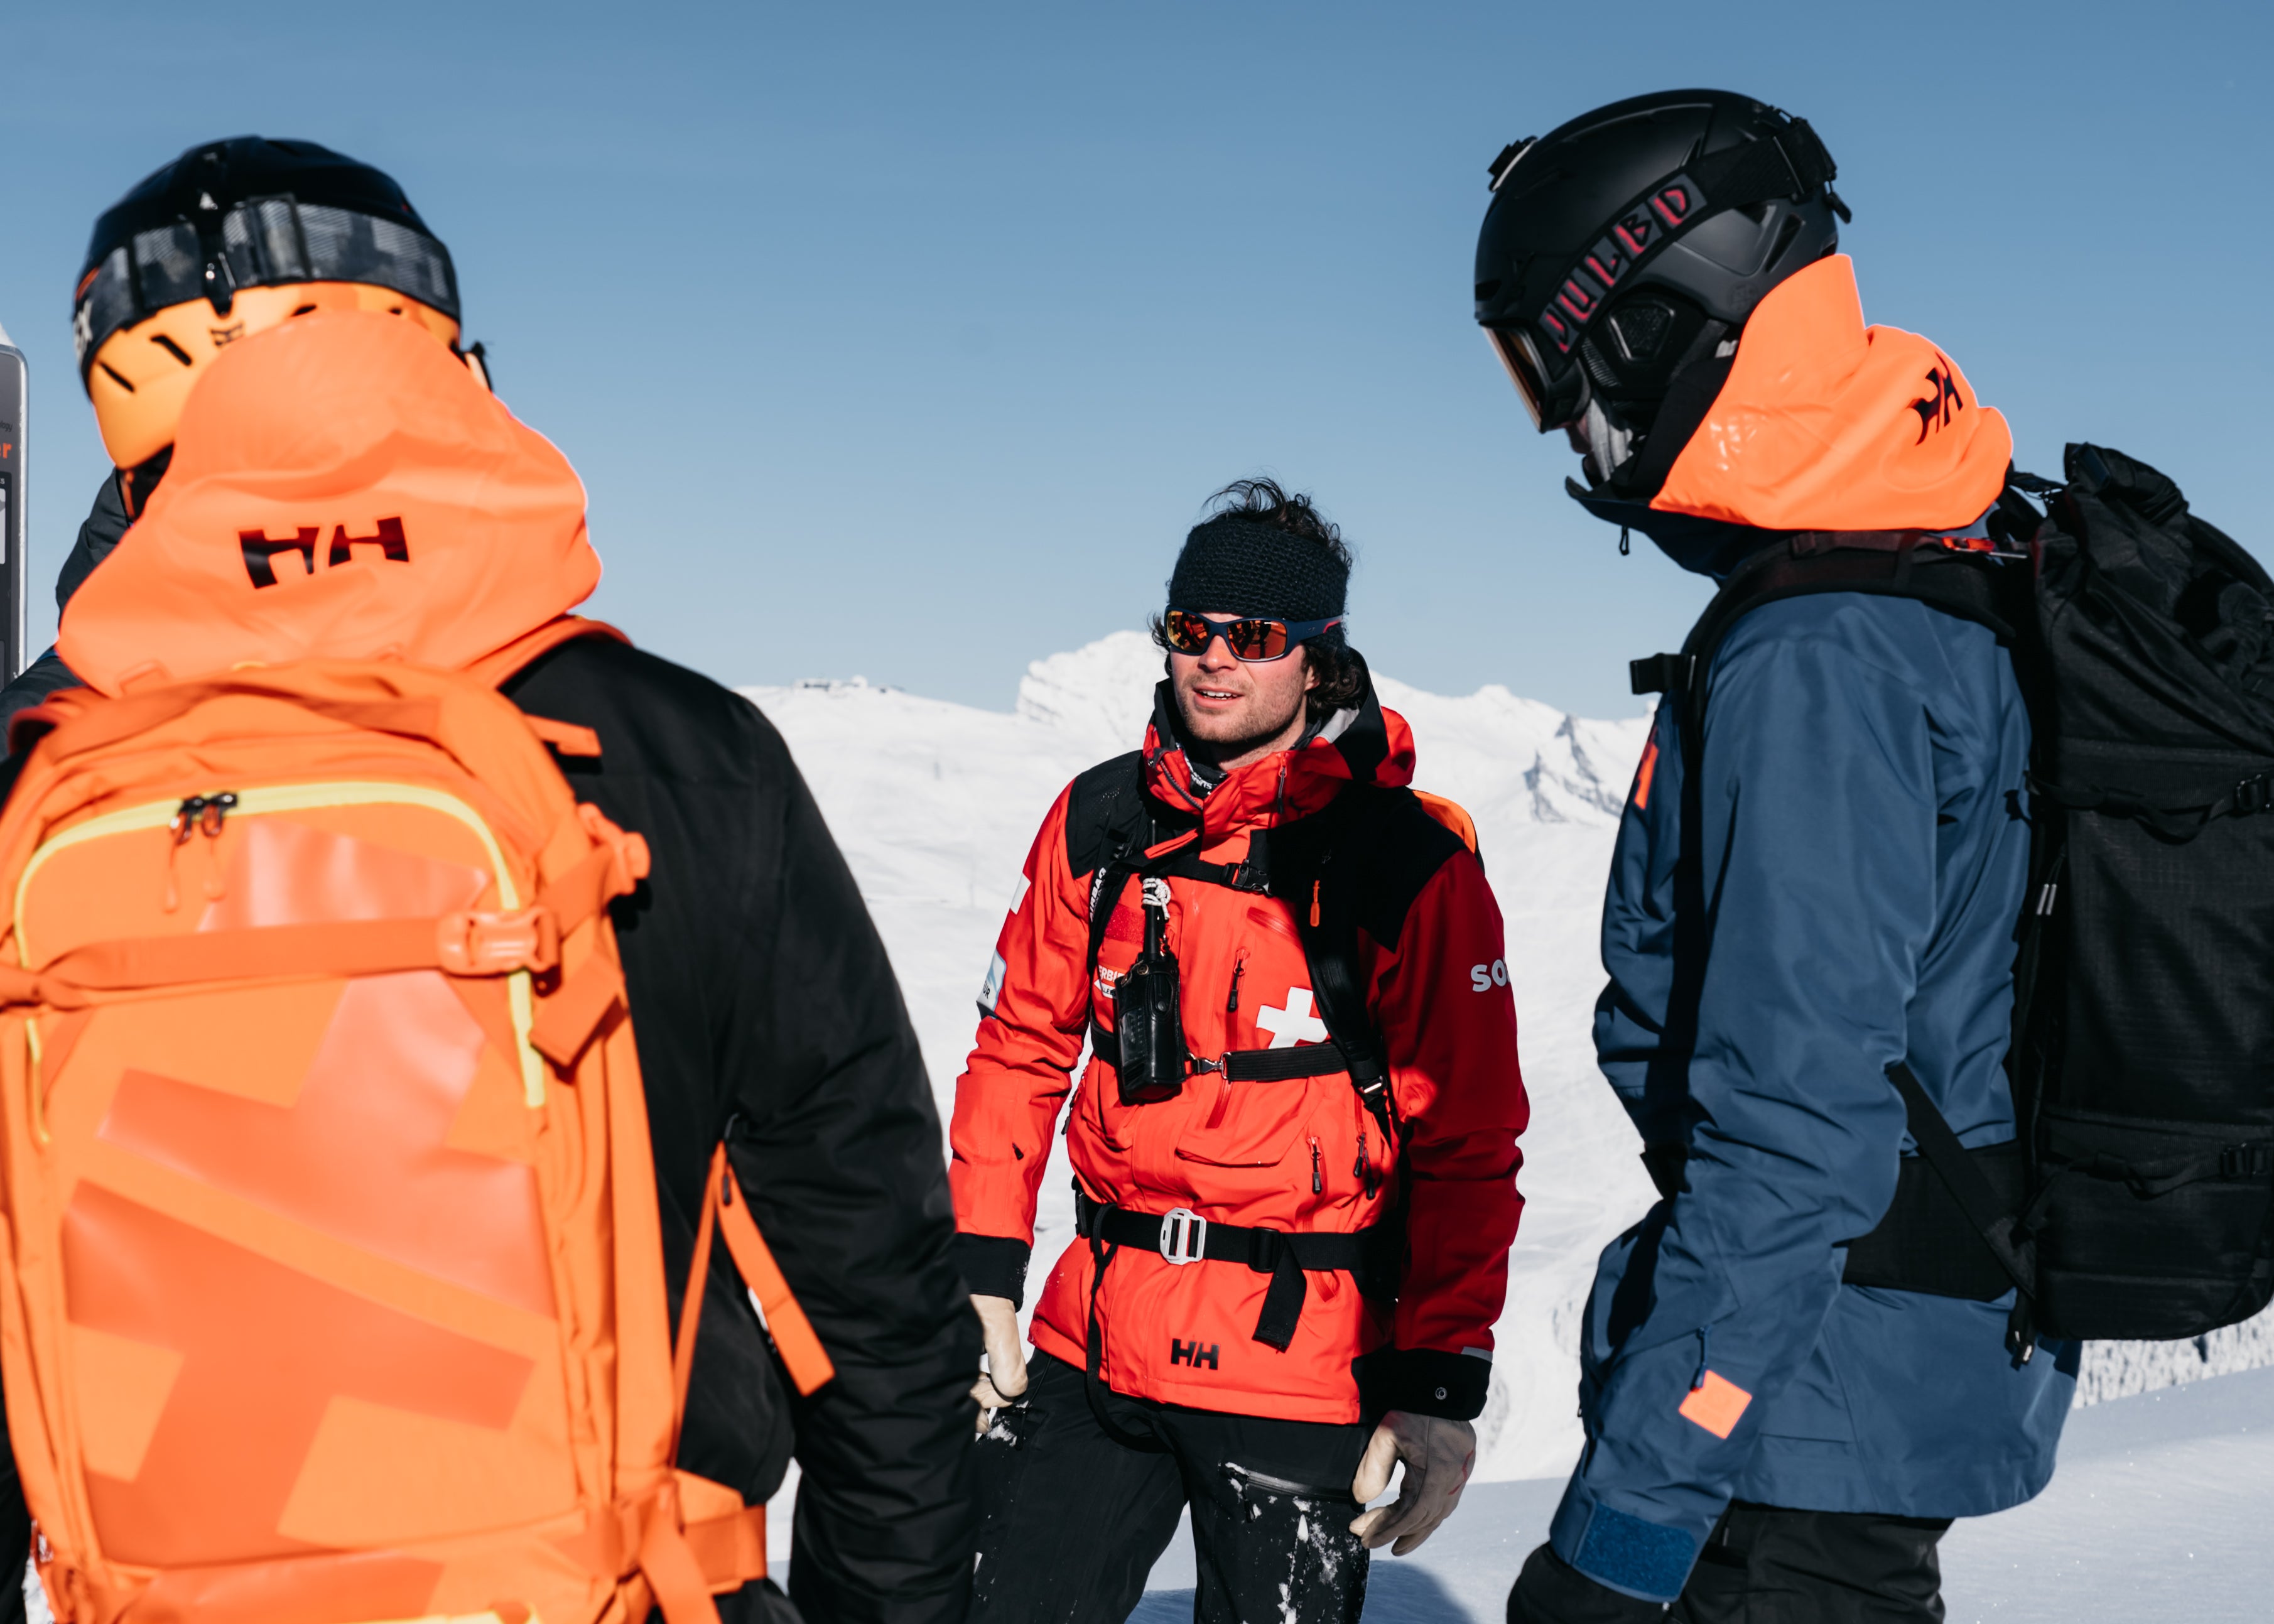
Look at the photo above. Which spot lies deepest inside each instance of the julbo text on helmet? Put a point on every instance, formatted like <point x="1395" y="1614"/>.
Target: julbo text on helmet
<point x="231" y="237"/>
<point x="1636" y="240"/>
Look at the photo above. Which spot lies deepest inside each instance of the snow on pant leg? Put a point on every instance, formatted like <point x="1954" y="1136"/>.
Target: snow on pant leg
<point x="1070" y="1519"/>
<point x="1762" y="1565"/>
<point x="1271" y="1515"/>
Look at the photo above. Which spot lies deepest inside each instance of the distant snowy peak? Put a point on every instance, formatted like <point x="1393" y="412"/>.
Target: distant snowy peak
<point x="1101" y="694"/>
<point x="1501" y="757"/>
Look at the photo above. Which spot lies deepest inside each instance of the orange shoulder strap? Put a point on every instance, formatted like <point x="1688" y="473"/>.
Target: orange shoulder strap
<point x="1451" y="813"/>
<point x="499" y="666"/>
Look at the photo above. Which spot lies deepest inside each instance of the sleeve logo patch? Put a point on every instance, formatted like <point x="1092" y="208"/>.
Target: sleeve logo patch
<point x="1715" y="1404"/>
<point x="992" y="988"/>
<point x="1484" y="978"/>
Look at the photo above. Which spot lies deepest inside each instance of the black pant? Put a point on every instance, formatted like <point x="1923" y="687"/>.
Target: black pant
<point x="1762" y="1565"/>
<point x="1073" y="1517"/>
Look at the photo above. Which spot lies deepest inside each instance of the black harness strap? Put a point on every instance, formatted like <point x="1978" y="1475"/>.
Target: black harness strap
<point x="1284" y="1065"/>
<point x="1184" y="1238"/>
<point x="1955" y="1165"/>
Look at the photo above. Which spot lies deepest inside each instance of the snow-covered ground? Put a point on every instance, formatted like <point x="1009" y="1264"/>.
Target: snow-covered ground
<point x="2157" y="1516"/>
<point x="935" y="805"/>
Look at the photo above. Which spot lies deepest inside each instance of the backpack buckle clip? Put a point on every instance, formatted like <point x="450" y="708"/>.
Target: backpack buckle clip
<point x="2255" y="794"/>
<point x="1184" y="1236"/>
<point x="471" y="944"/>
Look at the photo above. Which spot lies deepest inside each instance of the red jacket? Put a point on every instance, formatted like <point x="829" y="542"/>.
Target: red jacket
<point x="1292" y="1155"/>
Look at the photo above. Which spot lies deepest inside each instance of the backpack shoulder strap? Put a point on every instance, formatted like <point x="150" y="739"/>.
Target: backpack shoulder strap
<point x="497" y="668"/>
<point x="1104" y="809"/>
<point x="1453" y="815"/>
<point x="1984" y="589"/>
<point x="1359" y="863"/>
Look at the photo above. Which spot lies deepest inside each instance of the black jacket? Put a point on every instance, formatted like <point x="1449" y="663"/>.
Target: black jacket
<point x="767" y="1012"/>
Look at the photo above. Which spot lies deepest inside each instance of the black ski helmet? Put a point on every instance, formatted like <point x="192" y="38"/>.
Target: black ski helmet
<point x="251" y="211"/>
<point x="1635" y="240"/>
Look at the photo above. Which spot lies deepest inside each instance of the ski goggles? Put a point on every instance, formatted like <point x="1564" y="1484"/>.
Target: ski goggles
<point x="1251" y="638"/>
<point x="262" y="243"/>
<point x="1551" y="405"/>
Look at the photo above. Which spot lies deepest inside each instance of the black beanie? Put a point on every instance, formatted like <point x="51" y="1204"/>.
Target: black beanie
<point x="1232" y="565"/>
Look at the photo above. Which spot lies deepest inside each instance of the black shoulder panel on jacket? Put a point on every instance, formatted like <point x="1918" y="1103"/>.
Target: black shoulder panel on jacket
<point x="1404" y="848"/>
<point x="1107" y="805"/>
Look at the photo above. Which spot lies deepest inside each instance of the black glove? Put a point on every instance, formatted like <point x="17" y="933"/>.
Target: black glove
<point x="1550" y="1590"/>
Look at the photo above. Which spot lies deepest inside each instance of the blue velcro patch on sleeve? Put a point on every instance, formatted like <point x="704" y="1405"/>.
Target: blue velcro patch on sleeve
<point x="1641" y="1558"/>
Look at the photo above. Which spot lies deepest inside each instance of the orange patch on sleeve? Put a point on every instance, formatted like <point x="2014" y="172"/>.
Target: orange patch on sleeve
<point x="1644" y="773"/>
<point x="1715" y="1404"/>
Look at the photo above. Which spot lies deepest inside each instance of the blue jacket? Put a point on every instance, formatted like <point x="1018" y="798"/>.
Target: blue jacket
<point x="1865" y="853"/>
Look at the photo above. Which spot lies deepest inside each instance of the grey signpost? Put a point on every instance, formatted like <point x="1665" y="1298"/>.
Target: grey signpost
<point x="15" y="409"/>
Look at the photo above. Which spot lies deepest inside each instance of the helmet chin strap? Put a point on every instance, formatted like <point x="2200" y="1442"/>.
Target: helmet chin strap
<point x="1605" y="443"/>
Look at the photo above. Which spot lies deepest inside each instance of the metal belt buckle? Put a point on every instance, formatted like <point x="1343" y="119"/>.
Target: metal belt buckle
<point x="1184" y="1236"/>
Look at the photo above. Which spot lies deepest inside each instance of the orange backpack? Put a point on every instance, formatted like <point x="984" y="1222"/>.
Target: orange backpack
<point x="331" y="1282"/>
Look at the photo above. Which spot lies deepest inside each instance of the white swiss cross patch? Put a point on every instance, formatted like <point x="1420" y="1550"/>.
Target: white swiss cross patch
<point x="1294" y="1024"/>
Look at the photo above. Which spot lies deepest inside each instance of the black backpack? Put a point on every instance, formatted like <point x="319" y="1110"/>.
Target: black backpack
<point x="2137" y="1201"/>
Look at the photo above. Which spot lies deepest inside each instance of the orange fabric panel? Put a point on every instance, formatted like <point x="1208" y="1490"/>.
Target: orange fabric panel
<point x="1717" y="1403"/>
<point x="312" y="1589"/>
<point x="284" y="872"/>
<point x="134" y="1379"/>
<point x="1644" y="773"/>
<point x="420" y="521"/>
<point x="264" y="1350"/>
<point x="359" y="1155"/>
<point x="1826" y="424"/>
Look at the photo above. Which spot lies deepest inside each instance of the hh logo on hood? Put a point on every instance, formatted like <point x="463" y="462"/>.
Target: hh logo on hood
<point x="313" y="461"/>
<point x="260" y="551"/>
<point x="1942" y="398"/>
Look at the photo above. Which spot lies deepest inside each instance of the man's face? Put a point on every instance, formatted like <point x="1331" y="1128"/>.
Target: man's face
<point x="1238" y="707"/>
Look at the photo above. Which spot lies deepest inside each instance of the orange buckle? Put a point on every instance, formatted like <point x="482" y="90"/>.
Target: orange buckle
<point x="474" y="944"/>
<point x="631" y="865"/>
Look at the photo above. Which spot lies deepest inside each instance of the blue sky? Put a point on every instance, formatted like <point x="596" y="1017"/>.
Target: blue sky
<point x="906" y="340"/>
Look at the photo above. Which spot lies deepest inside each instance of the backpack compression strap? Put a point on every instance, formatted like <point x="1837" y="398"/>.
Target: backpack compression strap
<point x="685" y="1562"/>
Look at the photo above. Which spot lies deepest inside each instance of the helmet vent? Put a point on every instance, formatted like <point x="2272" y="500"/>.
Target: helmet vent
<point x="1785" y="234"/>
<point x="1640" y="327"/>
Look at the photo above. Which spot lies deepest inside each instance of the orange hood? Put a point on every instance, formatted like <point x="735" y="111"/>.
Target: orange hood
<point x="1828" y="424"/>
<point x="342" y="488"/>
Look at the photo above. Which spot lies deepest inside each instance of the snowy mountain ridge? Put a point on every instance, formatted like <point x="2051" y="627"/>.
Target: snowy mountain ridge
<point x="936" y="804"/>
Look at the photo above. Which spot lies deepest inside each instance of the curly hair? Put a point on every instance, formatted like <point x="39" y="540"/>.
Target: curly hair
<point x="1263" y="500"/>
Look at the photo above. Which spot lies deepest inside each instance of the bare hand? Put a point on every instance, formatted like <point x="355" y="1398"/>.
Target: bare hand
<point x="1004" y="1379"/>
<point x="1439" y="1455"/>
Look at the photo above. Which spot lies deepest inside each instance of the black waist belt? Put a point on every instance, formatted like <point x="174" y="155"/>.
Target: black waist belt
<point x="1242" y="1065"/>
<point x="1183" y="1236"/>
